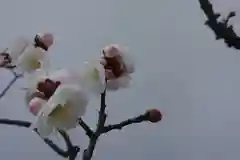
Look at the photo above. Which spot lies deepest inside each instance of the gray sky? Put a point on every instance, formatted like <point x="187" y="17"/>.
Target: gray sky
<point x="181" y="69"/>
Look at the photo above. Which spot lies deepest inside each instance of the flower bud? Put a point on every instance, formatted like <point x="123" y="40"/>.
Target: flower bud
<point x="47" y="39"/>
<point x="154" y="115"/>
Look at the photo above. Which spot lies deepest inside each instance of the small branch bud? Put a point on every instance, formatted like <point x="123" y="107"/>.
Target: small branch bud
<point x="154" y="115"/>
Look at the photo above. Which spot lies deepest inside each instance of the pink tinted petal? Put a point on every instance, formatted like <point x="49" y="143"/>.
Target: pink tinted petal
<point x="112" y="50"/>
<point x="35" y="105"/>
<point x="124" y="81"/>
<point x="129" y="63"/>
<point x="112" y="85"/>
<point x="47" y="39"/>
<point x="121" y="82"/>
<point x="109" y="75"/>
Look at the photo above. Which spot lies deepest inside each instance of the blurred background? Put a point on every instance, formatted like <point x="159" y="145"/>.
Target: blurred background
<point x="181" y="70"/>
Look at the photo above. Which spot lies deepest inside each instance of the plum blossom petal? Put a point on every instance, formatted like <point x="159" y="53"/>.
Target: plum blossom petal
<point x="62" y="110"/>
<point x="46" y="38"/>
<point x="92" y="75"/>
<point x="31" y="60"/>
<point x="35" y="105"/>
<point x="17" y="48"/>
<point x="118" y="65"/>
<point x="28" y="56"/>
<point x="121" y="82"/>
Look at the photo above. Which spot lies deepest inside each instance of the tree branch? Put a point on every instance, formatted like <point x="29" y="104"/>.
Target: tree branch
<point x="71" y="151"/>
<point x="88" y="130"/>
<point x="15" y="78"/>
<point x="125" y="123"/>
<point x="221" y="28"/>
<point x="87" y="154"/>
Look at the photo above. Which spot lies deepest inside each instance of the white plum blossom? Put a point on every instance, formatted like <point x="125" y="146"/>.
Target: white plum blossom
<point x="29" y="56"/>
<point x="118" y="66"/>
<point x="60" y="98"/>
<point x="61" y="111"/>
<point x="90" y="75"/>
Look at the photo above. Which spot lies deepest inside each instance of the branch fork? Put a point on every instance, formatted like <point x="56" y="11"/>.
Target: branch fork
<point x="72" y="151"/>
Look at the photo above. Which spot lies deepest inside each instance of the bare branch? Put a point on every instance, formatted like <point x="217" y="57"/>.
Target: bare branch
<point x="27" y="124"/>
<point x="88" y="130"/>
<point x="220" y="28"/>
<point x="125" y="123"/>
<point x="87" y="154"/>
<point x="71" y="152"/>
<point x="15" y="78"/>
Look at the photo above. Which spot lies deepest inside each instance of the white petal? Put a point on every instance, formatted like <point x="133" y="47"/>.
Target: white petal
<point x="67" y="96"/>
<point x="67" y="93"/>
<point x="65" y="76"/>
<point x="93" y="77"/>
<point x="28" y="60"/>
<point x="129" y="63"/>
<point x="18" y="48"/>
<point x="112" y="85"/>
<point x="121" y="82"/>
<point x="33" y="78"/>
<point x="43" y="127"/>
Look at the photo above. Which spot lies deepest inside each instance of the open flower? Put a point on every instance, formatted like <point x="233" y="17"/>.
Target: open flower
<point x="63" y="96"/>
<point x="27" y="56"/>
<point x="90" y="76"/>
<point x="62" y="110"/>
<point x="118" y="67"/>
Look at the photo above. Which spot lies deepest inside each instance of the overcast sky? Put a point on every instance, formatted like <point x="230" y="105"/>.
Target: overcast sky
<point x="181" y="70"/>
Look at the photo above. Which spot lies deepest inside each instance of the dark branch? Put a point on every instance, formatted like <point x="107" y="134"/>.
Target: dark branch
<point x="71" y="152"/>
<point x="87" y="154"/>
<point x="15" y="78"/>
<point x="221" y="28"/>
<point x="88" y="130"/>
<point x="122" y="124"/>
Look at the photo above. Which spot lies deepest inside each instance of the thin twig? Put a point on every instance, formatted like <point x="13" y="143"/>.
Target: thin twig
<point x="27" y="124"/>
<point x="72" y="150"/>
<point x="15" y="78"/>
<point x="88" y="130"/>
<point x="87" y="154"/>
<point x="125" y="123"/>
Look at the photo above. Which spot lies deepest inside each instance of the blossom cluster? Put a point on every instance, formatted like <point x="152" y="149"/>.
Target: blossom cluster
<point x="57" y="98"/>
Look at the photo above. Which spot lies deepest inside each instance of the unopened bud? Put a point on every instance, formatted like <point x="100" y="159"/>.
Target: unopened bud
<point x="154" y="115"/>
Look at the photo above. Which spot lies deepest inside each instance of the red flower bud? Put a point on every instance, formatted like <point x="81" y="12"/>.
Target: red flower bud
<point x="154" y="115"/>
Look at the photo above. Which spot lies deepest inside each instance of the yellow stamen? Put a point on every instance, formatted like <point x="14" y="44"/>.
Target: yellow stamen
<point x="61" y="113"/>
<point x="34" y="63"/>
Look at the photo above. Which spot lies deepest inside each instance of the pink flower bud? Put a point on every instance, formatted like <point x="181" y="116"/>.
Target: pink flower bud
<point x="154" y="115"/>
<point x="47" y="39"/>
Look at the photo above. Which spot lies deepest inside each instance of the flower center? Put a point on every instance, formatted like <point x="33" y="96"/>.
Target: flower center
<point x="62" y="113"/>
<point x="48" y="87"/>
<point x="115" y="65"/>
<point x="34" y="63"/>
